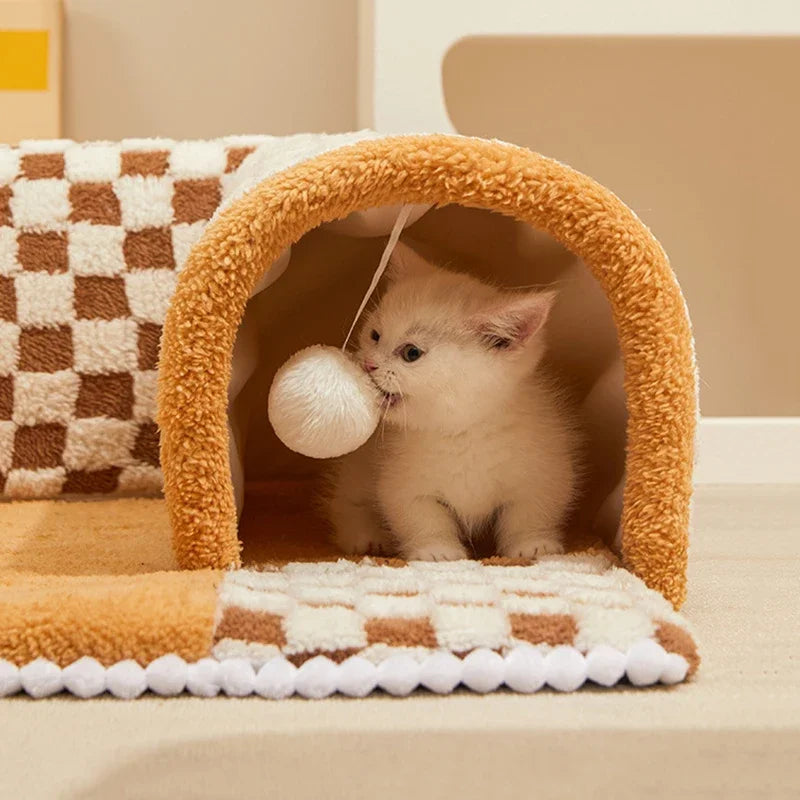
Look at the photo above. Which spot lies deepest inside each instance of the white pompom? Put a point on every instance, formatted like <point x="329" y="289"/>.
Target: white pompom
<point x="317" y="678"/>
<point x="565" y="668"/>
<point x="126" y="679"/>
<point x="85" y="677"/>
<point x="276" y="679"/>
<point x="41" y="678"/>
<point x="167" y="675"/>
<point x="237" y="677"/>
<point x="203" y="679"/>
<point x="675" y="669"/>
<point x="441" y="672"/>
<point x="483" y="670"/>
<point x="646" y="662"/>
<point x="322" y="404"/>
<point x="399" y="675"/>
<point x="605" y="665"/>
<point x="525" y="670"/>
<point x="357" y="677"/>
<point x="10" y="682"/>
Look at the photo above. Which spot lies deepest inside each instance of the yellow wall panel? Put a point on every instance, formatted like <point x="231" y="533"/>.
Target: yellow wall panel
<point x="23" y="60"/>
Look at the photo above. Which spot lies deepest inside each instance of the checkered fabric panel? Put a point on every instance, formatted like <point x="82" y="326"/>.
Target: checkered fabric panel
<point x="92" y="237"/>
<point x="381" y="607"/>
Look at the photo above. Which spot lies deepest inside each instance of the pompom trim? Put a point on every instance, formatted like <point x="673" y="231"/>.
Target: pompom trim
<point x="523" y="669"/>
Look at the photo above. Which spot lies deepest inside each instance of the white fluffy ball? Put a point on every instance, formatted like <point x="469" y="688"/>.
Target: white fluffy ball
<point x="322" y="404"/>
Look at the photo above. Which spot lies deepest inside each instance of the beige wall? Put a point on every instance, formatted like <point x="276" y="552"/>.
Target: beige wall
<point x="701" y="138"/>
<point x="202" y="68"/>
<point x="698" y="136"/>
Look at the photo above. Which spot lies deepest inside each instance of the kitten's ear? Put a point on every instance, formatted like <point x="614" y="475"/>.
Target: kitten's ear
<point x="514" y="321"/>
<point x="407" y="263"/>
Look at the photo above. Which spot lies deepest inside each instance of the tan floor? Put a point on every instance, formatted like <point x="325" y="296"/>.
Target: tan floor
<point x="734" y="732"/>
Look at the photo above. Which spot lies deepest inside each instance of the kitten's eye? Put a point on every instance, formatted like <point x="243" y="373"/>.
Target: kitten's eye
<point x="410" y="352"/>
<point x="375" y="336"/>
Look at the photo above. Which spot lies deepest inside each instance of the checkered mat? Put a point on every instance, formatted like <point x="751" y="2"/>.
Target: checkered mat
<point x="378" y="609"/>
<point x="314" y="629"/>
<point x="92" y="237"/>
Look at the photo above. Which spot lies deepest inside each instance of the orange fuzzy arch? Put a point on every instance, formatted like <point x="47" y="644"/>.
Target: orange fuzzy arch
<point x="238" y="247"/>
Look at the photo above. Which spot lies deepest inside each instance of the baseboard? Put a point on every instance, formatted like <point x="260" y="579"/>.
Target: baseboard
<point x="748" y="450"/>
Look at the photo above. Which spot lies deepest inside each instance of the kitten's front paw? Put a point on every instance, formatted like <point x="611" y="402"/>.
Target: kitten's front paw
<point x="437" y="551"/>
<point x="533" y="548"/>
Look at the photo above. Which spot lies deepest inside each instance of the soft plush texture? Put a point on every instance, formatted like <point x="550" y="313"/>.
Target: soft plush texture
<point x="322" y="404"/>
<point x="107" y="581"/>
<point x="247" y="237"/>
<point x="380" y="608"/>
<point x="561" y="622"/>
<point x="92" y="238"/>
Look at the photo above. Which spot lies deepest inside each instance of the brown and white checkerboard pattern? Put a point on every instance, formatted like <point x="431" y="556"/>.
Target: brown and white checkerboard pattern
<point x="378" y="608"/>
<point x="92" y="237"/>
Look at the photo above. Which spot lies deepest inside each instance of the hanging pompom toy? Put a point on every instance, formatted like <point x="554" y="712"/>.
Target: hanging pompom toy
<point x="321" y="402"/>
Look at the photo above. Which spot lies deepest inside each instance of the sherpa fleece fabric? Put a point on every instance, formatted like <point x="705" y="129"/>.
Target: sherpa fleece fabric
<point x="92" y="238"/>
<point x="98" y="580"/>
<point x="102" y="244"/>
<point x="248" y="236"/>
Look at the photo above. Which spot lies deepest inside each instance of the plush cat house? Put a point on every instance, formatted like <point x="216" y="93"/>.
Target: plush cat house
<point x="247" y="249"/>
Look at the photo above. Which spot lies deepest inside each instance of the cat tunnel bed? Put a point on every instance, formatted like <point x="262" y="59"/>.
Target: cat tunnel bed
<point x="296" y="226"/>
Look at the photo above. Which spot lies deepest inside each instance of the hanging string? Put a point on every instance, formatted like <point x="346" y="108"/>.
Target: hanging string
<point x="399" y="224"/>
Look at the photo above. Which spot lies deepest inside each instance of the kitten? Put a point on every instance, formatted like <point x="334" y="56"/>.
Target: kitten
<point x="471" y="433"/>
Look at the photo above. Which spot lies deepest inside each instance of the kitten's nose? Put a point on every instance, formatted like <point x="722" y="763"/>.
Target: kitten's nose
<point x="369" y="366"/>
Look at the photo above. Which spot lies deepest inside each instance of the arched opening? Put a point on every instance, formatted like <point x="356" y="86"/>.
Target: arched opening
<point x="314" y="300"/>
<point x="515" y="216"/>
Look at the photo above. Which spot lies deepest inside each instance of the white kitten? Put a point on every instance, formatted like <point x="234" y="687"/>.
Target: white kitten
<point x="471" y="434"/>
